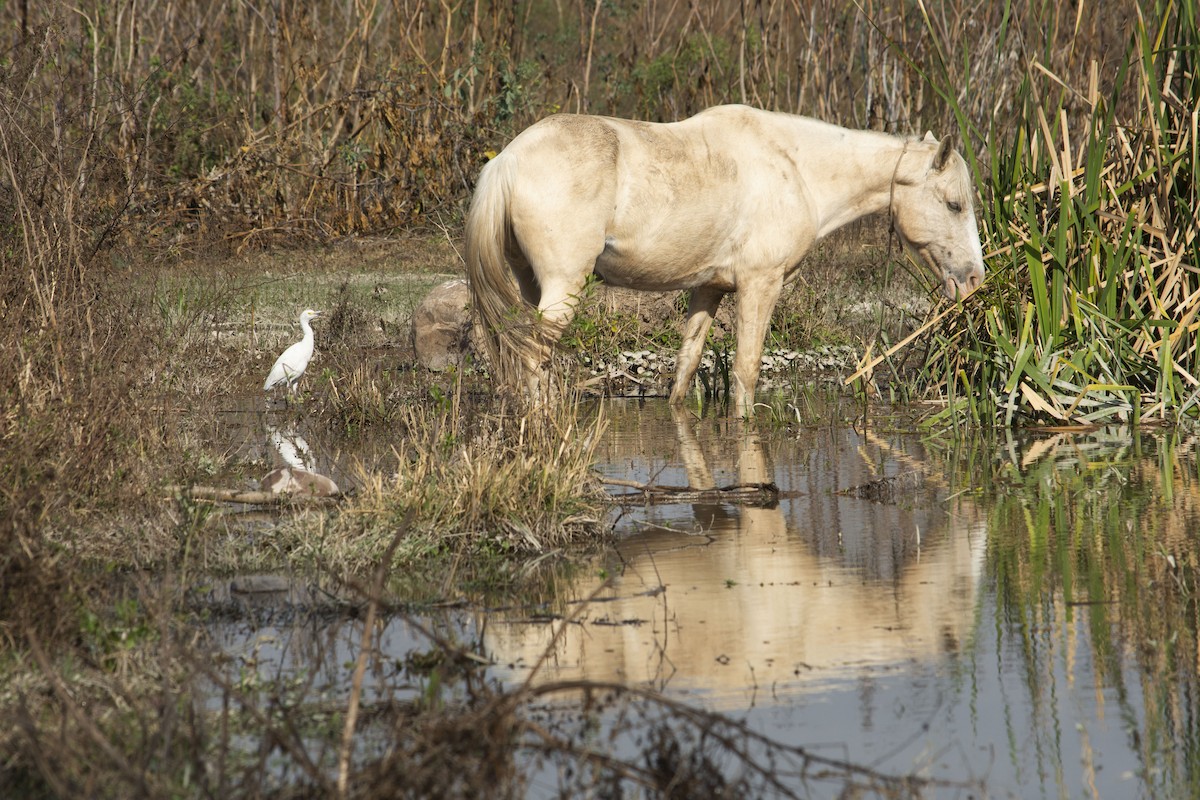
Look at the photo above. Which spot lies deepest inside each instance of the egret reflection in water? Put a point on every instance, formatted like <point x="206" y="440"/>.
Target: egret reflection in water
<point x="297" y="475"/>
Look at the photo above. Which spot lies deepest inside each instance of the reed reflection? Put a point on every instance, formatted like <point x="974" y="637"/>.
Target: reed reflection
<point x="1094" y="556"/>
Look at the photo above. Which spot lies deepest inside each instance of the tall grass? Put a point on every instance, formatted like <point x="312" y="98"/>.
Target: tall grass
<point x="1089" y="314"/>
<point x="476" y="480"/>
<point x="72" y="354"/>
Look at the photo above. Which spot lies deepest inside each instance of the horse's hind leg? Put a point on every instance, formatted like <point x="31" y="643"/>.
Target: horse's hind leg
<point x="556" y="309"/>
<point x="558" y="297"/>
<point x="701" y="308"/>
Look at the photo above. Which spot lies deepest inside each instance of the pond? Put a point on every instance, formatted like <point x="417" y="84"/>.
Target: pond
<point x="1014" y="615"/>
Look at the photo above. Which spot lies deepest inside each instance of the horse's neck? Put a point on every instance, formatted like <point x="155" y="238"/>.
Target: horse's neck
<point x="852" y="176"/>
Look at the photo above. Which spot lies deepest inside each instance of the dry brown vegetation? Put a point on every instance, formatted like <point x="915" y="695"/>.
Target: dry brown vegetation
<point x="252" y="124"/>
<point x="134" y="136"/>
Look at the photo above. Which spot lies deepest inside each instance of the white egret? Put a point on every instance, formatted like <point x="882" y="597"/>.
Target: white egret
<point x="291" y="365"/>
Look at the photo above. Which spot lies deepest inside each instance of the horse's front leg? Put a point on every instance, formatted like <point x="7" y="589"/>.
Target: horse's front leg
<point x="755" y="302"/>
<point x="698" y="472"/>
<point x="701" y="308"/>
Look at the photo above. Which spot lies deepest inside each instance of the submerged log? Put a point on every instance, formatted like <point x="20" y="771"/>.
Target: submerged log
<point x="889" y="490"/>
<point x="297" y="482"/>
<point x="747" y="494"/>
<point x="256" y="498"/>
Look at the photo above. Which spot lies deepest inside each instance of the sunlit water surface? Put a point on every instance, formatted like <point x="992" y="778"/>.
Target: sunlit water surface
<point x="1016" y="614"/>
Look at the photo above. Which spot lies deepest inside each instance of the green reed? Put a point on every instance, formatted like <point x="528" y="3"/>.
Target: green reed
<point x="1089" y="311"/>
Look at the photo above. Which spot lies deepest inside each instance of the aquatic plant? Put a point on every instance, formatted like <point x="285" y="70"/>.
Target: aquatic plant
<point x="1089" y="313"/>
<point x="478" y="477"/>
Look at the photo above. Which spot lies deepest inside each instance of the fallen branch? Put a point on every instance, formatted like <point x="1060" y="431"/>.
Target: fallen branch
<point x="749" y="494"/>
<point x="870" y="365"/>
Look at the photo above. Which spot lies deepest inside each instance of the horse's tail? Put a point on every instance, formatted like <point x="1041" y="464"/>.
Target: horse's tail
<point x="496" y="299"/>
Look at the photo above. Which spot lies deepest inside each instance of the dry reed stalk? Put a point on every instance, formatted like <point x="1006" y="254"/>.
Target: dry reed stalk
<point x="364" y="648"/>
<point x="365" y="115"/>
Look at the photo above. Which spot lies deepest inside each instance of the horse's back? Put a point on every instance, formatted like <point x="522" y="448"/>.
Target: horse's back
<point x="562" y="166"/>
<point x="565" y="145"/>
<point x="601" y="141"/>
<point x="660" y="205"/>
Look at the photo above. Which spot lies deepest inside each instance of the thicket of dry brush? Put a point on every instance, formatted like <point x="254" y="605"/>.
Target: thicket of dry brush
<point x="265" y="120"/>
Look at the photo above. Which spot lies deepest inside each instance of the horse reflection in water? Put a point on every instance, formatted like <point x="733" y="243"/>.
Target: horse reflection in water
<point x="747" y="601"/>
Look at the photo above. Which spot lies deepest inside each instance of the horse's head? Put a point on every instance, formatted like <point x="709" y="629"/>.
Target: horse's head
<point x="934" y="213"/>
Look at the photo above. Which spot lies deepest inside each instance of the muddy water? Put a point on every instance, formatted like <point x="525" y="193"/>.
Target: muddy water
<point x="1020" y="613"/>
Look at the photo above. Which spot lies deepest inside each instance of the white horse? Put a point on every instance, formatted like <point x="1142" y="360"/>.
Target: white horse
<point x="729" y="200"/>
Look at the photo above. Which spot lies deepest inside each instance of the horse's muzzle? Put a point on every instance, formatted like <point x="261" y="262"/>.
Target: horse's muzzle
<point x="958" y="284"/>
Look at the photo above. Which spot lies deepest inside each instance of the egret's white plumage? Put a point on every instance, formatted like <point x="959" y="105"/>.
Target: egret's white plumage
<point x="291" y="365"/>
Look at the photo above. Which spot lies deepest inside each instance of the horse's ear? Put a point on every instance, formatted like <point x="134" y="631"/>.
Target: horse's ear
<point x="929" y="137"/>
<point x="943" y="153"/>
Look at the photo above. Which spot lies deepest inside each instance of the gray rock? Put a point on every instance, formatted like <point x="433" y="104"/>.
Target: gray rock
<point x="441" y="326"/>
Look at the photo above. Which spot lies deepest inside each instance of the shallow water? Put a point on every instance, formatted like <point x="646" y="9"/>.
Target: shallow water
<point x="741" y="604"/>
<point x="1021" y="613"/>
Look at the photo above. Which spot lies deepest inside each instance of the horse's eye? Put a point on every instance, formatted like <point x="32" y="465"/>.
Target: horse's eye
<point x="954" y="207"/>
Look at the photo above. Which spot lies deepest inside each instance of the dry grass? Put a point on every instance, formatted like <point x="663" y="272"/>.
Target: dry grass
<point x="237" y="126"/>
<point x="481" y="481"/>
